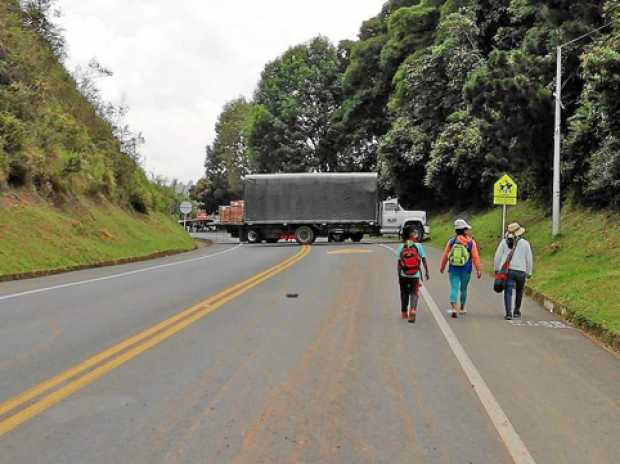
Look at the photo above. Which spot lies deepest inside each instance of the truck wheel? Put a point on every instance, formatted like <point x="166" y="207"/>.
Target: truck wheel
<point x="253" y="236"/>
<point x="304" y="235"/>
<point x="357" y="237"/>
<point x="418" y="228"/>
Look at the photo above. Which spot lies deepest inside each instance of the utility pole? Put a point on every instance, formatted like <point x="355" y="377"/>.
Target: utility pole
<point x="558" y="128"/>
<point x="557" y="144"/>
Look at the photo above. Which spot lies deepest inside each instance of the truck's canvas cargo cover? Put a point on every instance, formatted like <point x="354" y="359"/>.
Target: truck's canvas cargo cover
<point x="305" y="198"/>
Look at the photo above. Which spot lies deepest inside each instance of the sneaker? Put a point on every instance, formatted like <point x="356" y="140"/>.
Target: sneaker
<point x="463" y="311"/>
<point x="412" y="315"/>
<point x="403" y="315"/>
<point x="517" y="314"/>
<point x="508" y="317"/>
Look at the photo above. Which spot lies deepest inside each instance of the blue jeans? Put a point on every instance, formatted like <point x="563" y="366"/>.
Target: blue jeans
<point x="459" y="281"/>
<point x="516" y="280"/>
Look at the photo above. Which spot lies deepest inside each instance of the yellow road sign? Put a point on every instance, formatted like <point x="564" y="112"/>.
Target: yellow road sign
<point x="505" y="191"/>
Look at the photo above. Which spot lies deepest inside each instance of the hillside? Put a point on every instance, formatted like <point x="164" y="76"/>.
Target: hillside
<point x="578" y="269"/>
<point x="72" y="191"/>
<point x="37" y="237"/>
<point x="52" y="138"/>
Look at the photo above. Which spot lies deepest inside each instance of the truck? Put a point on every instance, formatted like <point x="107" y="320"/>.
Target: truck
<point x="303" y="207"/>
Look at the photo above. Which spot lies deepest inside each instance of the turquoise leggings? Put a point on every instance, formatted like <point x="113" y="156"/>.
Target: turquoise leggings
<point x="459" y="281"/>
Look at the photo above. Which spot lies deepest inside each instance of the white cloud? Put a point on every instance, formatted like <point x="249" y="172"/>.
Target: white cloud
<point x="177" y="63"/>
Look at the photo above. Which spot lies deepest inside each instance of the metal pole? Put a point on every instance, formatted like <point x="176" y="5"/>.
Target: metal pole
<point x="504" y="210"/>
<point x="185" y="222"/>
<point x="557" y="145"/>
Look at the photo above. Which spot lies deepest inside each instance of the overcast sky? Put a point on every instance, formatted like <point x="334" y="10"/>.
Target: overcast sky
<point x="176" y="63"/>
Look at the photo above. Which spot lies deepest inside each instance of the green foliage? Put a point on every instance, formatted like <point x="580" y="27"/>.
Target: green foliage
<point x="456" y="166"/>
<point x="442" y="97"/>
<point x="297" y="95"/>
<point x="56" y="134"/>
<point x="36" y="236"/>
<point x="228" y="157"/>
<point x="573" y="269"/>
<point x="594" y="140"/>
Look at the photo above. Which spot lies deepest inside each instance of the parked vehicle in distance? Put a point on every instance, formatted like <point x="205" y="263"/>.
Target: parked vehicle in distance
<point x="338" y="206"/>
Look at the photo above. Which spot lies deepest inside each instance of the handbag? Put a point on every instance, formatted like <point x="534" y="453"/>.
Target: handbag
<point x="499" y="284"/>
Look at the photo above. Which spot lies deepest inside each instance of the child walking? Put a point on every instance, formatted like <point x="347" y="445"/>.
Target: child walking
<point x="411" y="257"/>
<point x="461" y="253"/>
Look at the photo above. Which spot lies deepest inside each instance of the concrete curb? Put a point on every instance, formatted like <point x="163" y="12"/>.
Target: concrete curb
<point x="115" y="262"/>
<point x="596" y="330"/>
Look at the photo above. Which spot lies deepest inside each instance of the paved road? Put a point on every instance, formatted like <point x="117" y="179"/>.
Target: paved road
<point x="247" y="374"/>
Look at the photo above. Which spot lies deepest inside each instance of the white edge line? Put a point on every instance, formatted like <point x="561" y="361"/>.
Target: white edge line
<point x="517" y="449"/>
<point x="114" y="276"/>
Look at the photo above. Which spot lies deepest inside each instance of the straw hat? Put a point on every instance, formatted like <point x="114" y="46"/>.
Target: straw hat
<point x="516" y="229"/>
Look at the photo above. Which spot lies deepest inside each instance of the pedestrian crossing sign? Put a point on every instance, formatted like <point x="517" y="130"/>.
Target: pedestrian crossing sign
<point x="505" y="192"/>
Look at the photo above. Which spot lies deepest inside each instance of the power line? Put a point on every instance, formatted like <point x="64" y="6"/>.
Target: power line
<point x="583" y="36"/>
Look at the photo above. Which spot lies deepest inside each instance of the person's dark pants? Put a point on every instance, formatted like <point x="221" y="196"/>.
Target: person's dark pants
<point x="516" y="280"/>
<point x="409" y="291"/>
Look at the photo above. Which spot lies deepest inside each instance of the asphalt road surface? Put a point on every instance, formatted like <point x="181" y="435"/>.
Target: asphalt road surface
<point x="285" y="354"/>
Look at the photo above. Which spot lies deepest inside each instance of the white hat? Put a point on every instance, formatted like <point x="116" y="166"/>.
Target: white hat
<point x="461" y="224"/>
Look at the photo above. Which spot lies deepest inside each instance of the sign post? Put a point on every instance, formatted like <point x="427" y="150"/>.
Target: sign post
<point x="185" y="208"/>
<point x="505" y="194"/>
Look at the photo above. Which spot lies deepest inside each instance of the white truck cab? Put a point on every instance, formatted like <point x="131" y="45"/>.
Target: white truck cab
<point x="394" y="219"/>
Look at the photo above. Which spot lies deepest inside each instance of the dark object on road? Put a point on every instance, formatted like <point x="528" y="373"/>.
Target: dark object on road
<point x="292" y="295"/>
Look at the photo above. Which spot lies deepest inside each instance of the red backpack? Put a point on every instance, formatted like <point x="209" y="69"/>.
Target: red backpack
<point x="410" y="259"/>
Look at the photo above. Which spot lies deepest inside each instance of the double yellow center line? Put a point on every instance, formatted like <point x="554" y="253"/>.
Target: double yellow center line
<point x="43" y="396"/>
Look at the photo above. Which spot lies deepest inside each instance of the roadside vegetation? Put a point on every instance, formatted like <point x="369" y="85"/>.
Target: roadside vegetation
<point x="441" y="98"/>
<point x="72" y="189"/>
<point x="58" y="137"/>
<point x="36" y="236"/>
<point x="578" y="269"/>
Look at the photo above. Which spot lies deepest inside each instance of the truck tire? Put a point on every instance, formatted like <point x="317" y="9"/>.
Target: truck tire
<point x="357" y="237"/>
<point x="419" y="228"/>
<point x="304" y="235"/>
<point x="254" y="236"/>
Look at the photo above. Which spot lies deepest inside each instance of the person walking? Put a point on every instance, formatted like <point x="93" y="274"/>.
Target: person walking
<point x="518" y="251"/>
<point x="411" y="257"/>
<point x="461" y="254"/>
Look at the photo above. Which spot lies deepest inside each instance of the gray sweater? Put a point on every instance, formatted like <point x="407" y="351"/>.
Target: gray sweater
<point x="522" y="260"/>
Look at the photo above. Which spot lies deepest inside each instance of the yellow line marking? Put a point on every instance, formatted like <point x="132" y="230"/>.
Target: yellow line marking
<point x="142" y="342"/>
<point x="349" y="251"/>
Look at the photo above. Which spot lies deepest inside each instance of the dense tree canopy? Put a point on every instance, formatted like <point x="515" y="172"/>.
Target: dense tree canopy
<point x="442" y="97"/>
<point x="295" y="100"/>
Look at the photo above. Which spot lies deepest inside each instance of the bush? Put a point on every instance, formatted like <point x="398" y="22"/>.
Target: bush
<point x="12" y="133"/>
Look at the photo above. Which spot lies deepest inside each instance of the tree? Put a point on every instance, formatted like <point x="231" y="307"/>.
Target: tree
<point x="37" y="16"/>
<point x="227" y="158"/>
<point x="296" y="98"/>
<point x="593" y="145"/>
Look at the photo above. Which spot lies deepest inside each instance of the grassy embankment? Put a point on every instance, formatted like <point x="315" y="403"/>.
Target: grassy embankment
<point x="37" y="237"/>
<point x="579" y="269"/>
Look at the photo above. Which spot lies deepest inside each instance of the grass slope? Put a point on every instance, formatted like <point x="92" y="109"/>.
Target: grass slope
<point x="579" y="269"/>
<point x="36" y="236"/>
